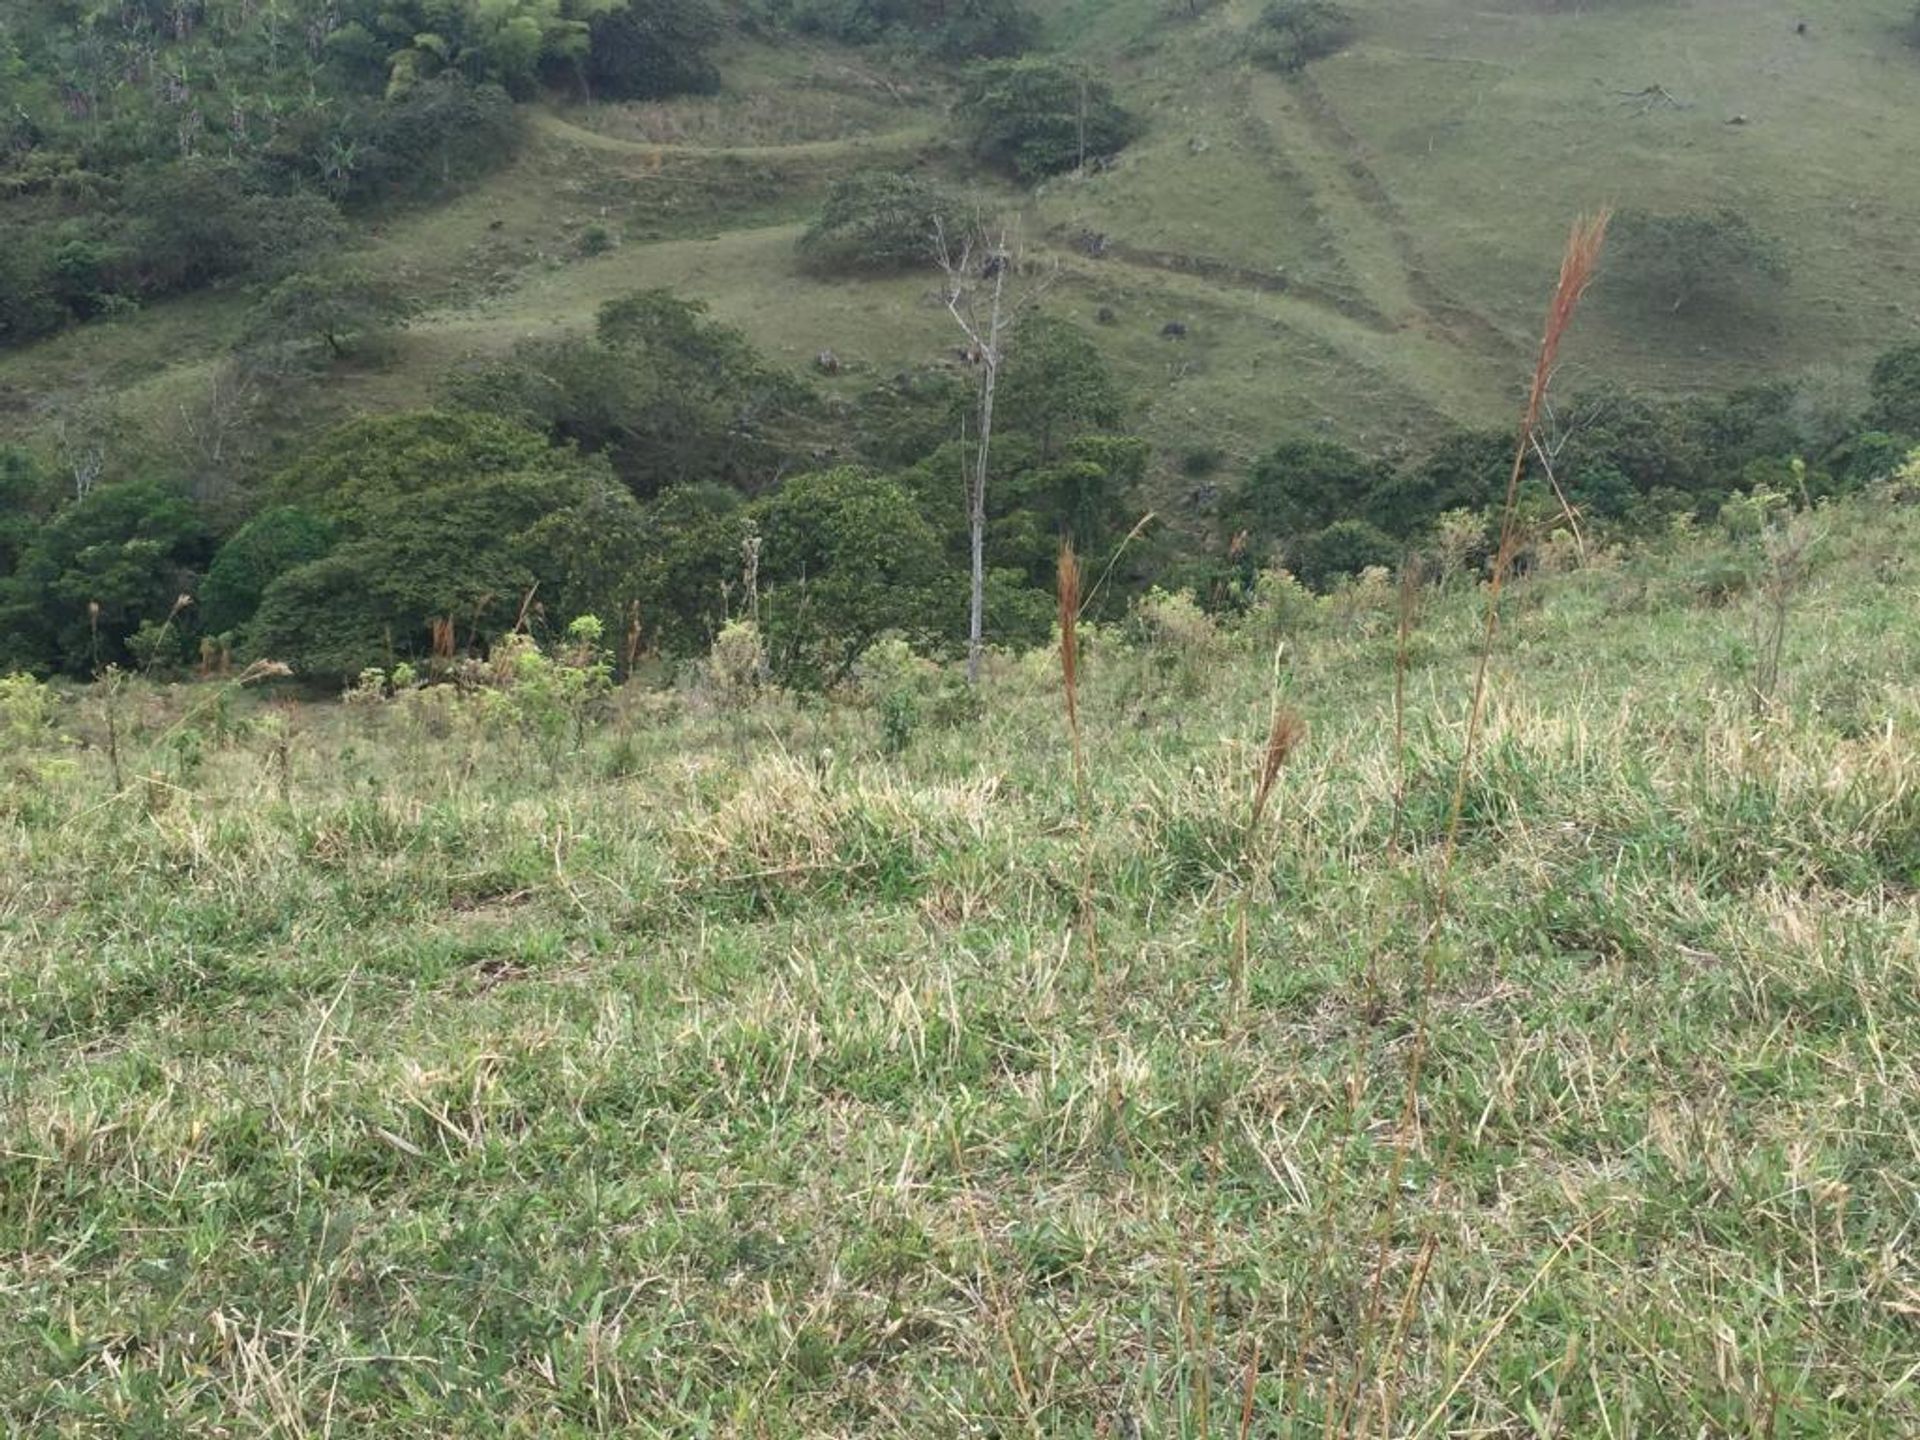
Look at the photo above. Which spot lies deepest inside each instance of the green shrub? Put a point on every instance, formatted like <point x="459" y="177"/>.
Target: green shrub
<point x="648" y="50"/>
<point x="1056" y="384"/>
<point x="1691" y="261"/>
<point x="950" y="29"/>
<point x="846" y="558"/>
<point x="1894" y="387"/>
<point x="668" y="396"/>
<point x="442" y="518"/>
<point x="878" y="221"/>
<point x="123" y="555"/>
<point x="1291" y="34"/>
<point x="1345" y="547"/>
<point x="1301" y="486"/>
<point x="1035" y="118"/>
<point x="257" y="554"/>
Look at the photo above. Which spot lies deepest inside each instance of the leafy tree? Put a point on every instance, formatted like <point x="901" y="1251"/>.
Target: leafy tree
<point x="414" y="144"/>
<point x="878" y="221"/>
<point x="1869" y="456"/>
<point x="198" y="221"/>
<point x="1034" y="118"/>
<point x="506" y="42"/>
<point x="1693" y="260"/>
<point x="122" y="555"/>
<point x="691" y="550"/>
<point x="24" y="490"/>
<point x="668" y="396"/>
<point x="950" y="29"/>
<point x="254" y="556"/>
<point x="344" y="310"/>
<point x="1894" y="390"/>
<point x="1302" y="486"/>
<point x="847" y="557"/>
<point x="29" y="308"/>
<point x="652" y="48"/>
<point x="1291" y="34"/>
<point x="1057" y="384"/>
<point x="440" y="517"/>
<point x="1467" y="470"/>
<point x="1345" y="547"/>
<point x="360" y="472"/>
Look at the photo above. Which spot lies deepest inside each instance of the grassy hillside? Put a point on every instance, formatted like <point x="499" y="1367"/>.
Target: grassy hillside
<point x="756" y="1067"/>
<point x="1356" y="250"/>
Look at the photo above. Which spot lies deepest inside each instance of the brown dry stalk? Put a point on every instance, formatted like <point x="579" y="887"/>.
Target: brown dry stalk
<point x="1002" y="1313"/>
<point x="1067" y="585"/>
<point x="1284" y="733"/>
<point x="1246" y="1395"/>
<point x="1577" y="266"/>
<point x="1499" y="1326"/>
<point x="1396" y="1348"/>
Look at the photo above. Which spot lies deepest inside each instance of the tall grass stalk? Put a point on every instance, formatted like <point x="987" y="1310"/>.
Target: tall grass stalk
<point x="1578" y="263"/>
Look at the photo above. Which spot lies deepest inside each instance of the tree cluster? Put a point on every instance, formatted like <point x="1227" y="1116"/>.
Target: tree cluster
<point x="658" y="475"/>
<point x="1034" y="117"/>
<point x="148" y="149"/>
<point x="947" y="29"/>
<point x="1615" y="460"/>
<point x="1291" y="34"/>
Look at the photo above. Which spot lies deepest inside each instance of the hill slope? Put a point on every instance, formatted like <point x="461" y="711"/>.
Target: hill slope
<point x="1358" y="249"/>
<point x="739" y="1067"/>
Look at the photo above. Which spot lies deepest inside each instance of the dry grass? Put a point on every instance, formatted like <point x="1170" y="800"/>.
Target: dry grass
<point x="369" y="1066"/>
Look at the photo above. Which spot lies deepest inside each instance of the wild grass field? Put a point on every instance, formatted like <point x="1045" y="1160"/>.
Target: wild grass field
<point x="698" y="1061"/>
<point x="1354" y="250"/>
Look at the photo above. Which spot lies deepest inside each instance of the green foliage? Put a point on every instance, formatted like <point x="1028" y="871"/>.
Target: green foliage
<point x="1468" y="469"/>
<point x="690" y="557"/>
<point x="151" y="151"/>
<point x="92" y="575"/>
<point x="1345" y="547"/>
<point x="1056" y="384"/>
<point x="649" y="49"/>
<point x="1692" y="260"/>
<point x="253" y="557"/>
<point x="1301" y="486"/>
<point x="1895" y="389"/>
<point x="343" y="310"/>
<point x="847" y="557"/>
<point x="1290" y="34"/>
<point x="25" y="490"/>
<point x="360" y="472"/>
<point x="666" y="395"/>
<point x="876" y="221"/>
<point x="948" y="29"/>
<point x="441" y="517"/>
<point x="1035" y="118"/>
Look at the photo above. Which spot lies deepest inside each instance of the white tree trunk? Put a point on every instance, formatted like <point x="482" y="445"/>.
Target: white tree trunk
<point x="977" y="500"/>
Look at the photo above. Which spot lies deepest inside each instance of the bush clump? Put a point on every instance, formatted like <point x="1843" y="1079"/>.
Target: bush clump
<point x="1035" y="118"/>
<point x="1291" y="34"/>
<point x="880" y="221"/>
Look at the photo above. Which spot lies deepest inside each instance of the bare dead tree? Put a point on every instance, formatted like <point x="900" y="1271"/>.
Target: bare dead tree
<point x="80" y="438"/>
<point x="986" y="293"/>
<point x="215" y="433"/>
